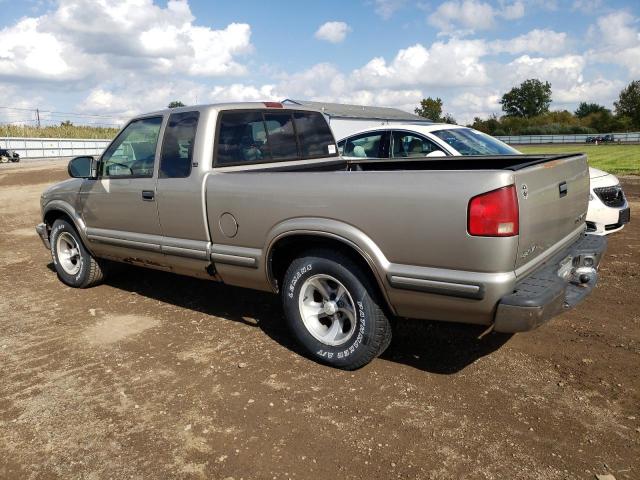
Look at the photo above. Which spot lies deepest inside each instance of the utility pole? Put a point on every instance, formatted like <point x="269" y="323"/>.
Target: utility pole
<point x="38" y="117"/>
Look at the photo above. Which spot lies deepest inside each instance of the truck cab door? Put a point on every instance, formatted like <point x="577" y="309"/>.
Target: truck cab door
<point x="179" y="195"/>
<point x="119" y="206"/>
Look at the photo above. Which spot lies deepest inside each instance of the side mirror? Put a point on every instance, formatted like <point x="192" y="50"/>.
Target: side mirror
<point x="82" y="167"/>
<point x="436" y="153"/>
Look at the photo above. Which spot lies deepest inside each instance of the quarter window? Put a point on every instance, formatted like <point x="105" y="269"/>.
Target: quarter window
<point x="177" y="146"/>
<point x="133" y="152"/>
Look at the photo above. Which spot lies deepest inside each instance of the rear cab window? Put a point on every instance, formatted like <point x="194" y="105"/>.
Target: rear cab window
<point x="259" y="136"/>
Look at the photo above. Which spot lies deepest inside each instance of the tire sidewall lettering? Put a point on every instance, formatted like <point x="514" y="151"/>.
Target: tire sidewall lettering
<point x="296" y="278"/>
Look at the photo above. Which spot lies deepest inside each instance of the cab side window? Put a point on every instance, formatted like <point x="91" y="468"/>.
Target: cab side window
<point x="410" y="145"/>
<point x="133" y="152"/>
<point x="177" y="145"/>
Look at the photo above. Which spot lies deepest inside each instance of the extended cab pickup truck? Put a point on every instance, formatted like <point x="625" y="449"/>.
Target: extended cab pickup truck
<point x="256" y="195"/>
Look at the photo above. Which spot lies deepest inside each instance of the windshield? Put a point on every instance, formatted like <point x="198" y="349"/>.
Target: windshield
<point x="471" y="142"/>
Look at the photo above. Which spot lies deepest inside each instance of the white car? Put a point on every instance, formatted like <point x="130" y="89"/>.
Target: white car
<point x="608" y="208"/>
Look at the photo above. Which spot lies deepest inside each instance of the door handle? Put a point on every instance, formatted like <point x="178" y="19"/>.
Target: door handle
<point x="563" y="189"/>
<point x="148" y="195"/>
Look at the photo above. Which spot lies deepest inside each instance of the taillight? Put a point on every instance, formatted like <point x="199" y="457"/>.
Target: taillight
<point x="273" y="105"/>
<point x="494" y="214"/>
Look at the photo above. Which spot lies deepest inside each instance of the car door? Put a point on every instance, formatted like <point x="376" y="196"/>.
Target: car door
<point x="119" y="206"/>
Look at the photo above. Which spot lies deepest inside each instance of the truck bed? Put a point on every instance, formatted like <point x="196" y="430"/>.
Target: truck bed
<point x="481" y="162"/>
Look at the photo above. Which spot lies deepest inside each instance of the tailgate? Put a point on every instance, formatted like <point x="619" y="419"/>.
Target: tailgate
<point x="553" y="198"/>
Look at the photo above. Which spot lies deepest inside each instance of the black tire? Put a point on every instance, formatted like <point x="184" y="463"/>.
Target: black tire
<point x="90" y="271"/>
<point x="372" y="332"/>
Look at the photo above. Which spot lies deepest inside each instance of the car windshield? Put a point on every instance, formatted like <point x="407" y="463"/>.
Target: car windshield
<point x="471" y="142"/>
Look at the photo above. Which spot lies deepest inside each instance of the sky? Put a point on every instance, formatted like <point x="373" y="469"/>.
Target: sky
<point x="115" y="58"/>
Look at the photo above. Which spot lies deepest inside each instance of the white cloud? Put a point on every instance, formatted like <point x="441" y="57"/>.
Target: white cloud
<point x="546" y="42"/>
<point x="616" y="40"/>
<point x="587" y="6"/>
<point x="467" y="16"/>
<point x="616" y="29"/>
<point x="600" y="90"/>
<point x="561" y="72"/>
<point x="386" y="8"/>
<point x="333" y="32"/>
<point x="243" y="93"/>
<point x="27" y="52"/>
<point x="513" y="11"/>
<point x="452" y="63"/>
<point x="86" y="37"/>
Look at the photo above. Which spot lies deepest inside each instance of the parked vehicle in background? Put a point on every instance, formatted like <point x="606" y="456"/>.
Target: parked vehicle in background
<point x="608" y="138"/>
<point x="255" y="195"/>
<point x="608" y="209"/>
<point x="7" y="155"/>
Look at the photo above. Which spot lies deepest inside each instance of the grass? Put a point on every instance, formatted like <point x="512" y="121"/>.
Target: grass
<point x="58" y="131"/>
<point x="616" y="159"/>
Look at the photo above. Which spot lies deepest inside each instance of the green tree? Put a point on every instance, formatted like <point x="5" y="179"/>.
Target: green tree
<point x="530" y="99"/>
<point x="628" y="104"/>
<point x="431" y="108"/>
<point x="66" y="123"/>
<point x="585" y="109"/>
<point x="176" y="104"/>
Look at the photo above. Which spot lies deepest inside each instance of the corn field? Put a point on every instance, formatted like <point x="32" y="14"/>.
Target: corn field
<point x="57" y="131"/>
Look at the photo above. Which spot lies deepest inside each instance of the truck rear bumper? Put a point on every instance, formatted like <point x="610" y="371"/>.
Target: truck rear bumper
<point x="41" y="228"/>
<point x="559" y="285"/>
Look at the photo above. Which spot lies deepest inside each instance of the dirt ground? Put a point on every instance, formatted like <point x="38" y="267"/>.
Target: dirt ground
<point x="158" y="376"/>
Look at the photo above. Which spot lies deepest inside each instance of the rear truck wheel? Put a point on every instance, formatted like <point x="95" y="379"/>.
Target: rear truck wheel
<point x="333" y="311"/>
<point x="75" y="266"/>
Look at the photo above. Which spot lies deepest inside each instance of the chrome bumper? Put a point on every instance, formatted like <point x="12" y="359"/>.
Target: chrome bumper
<point x="41" y="228"/>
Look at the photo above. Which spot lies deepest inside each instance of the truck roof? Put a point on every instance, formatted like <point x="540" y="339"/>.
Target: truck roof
<point x="229" y="106"/>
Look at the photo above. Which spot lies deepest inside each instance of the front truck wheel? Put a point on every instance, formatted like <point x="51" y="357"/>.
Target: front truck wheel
<point x="333" y="311"/>
<point x="75" y="266"/>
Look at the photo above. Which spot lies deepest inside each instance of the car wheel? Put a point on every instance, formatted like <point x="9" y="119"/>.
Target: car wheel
<point x="333" y="311"/>
<point x="74" y="265"/>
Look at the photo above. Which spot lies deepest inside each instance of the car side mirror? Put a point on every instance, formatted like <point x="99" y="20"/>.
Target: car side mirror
<point x="436" y="153"/>
<point x="82" y="167"/>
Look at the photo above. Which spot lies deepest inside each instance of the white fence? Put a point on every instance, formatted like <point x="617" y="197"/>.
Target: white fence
<point x="629" y="137"/>
<point x="54" y="147"/>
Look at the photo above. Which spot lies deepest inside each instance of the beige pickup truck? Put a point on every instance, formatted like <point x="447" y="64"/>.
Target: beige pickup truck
<point x="256" y="195"/>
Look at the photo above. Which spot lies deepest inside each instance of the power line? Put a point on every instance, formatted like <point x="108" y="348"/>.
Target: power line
<point x="55" y="112"/>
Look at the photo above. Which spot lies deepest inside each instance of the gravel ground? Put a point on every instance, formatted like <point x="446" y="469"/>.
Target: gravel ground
<point x="158" y="376"/>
